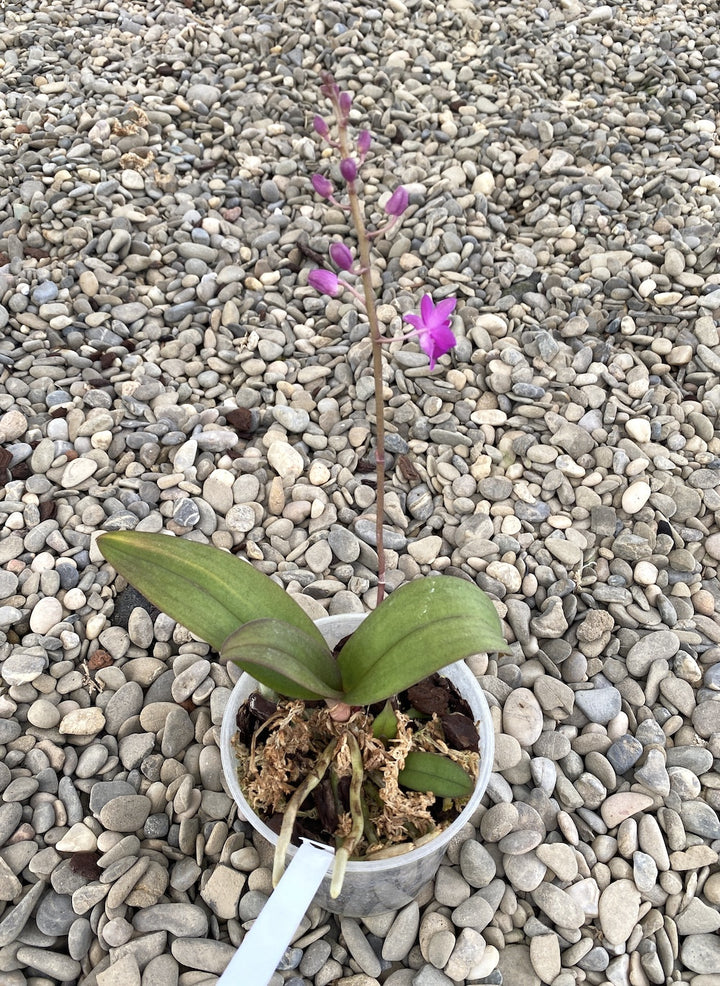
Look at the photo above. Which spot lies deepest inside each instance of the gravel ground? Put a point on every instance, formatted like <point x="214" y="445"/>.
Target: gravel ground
<point x="164" y="366"/>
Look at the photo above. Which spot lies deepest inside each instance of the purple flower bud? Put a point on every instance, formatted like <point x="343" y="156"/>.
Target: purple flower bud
<point x="320" y="126"/>
<point x="348" y="169"/>
<point x="329" y="86"/>
<point x="345" y="102"/>
<point x="398" y="202"/>
<point x="341" y="256"/>
<point x="363" y="143"/>
<point x="324" y="281"/>
<point x="322" y="186"/>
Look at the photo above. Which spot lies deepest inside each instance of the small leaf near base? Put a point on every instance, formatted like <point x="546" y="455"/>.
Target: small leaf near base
<point x="435" y="773"/>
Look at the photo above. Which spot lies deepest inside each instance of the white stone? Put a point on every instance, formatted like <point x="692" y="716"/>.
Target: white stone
<point x="586" y="893"/>
<point x="505" y="573"/>
<point x="132" y="180"/>
<point x="217" y="490"/>
<point x="522" y="716"/>
<point x="77" y="471"/>
<point x="646" y="573"/>
<point x="83" y="722"/>
<point x="545" y="956"/>
<point x="635" y="497"/>
<point x="79" y="838"/>
<point x="46" y="614"/>
<point x="13" y="425"/>
<point x="638" y="429"/>
<point x="285" y="460"/>
<point x="619" y="911"/>
<point x="425" y="550"/>
<point x="560" y="858"/>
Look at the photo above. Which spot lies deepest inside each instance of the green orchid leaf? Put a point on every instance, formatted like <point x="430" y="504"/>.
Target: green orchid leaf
<point x="209" y="591"/>
<point x="433" y="772"/>
<point x="385" y="724"/>
<point x="421" y="627"/>
<point x="285" y="659"/>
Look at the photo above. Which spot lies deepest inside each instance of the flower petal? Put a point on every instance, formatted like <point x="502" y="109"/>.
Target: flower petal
<point x="426" y="308"/>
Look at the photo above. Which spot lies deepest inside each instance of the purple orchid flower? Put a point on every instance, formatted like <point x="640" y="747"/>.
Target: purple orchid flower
<point x="363" y="143"/>
<point x="348" y="169"/>
<point x="398" y="202"/>
<point x="341" y="256"/>
<point x="432" y="327"/>
<point x="344" y="103"/>
<point x="321" y="126"/>
<point x="324" y="281"/>
<point x="322" y="186"/>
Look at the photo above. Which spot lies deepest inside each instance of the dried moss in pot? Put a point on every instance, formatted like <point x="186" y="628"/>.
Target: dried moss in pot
<point x="279" y="746"/>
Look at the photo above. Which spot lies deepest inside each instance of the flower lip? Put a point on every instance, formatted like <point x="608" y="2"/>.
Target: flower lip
<point x="432" y="327"/>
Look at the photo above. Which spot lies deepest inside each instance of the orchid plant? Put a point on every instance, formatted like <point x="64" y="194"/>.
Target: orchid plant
<point x="250" y="620"/>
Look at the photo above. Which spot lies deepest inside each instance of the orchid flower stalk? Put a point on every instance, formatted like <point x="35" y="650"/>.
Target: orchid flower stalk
<point x="431" y="327"/>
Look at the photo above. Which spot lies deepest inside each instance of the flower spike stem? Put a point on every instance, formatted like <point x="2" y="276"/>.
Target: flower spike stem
<point x="363" y="240"/>
<point x="293" y="807"/>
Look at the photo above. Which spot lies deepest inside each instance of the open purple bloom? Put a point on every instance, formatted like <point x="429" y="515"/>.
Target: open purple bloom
<point x="324" y="281"/>
<point x="432" y="327"/>
<point x="341" y="256"/>
<point x="348" y="169"/>
<point x="322" y="186"/>
<point x="398" y="202"/>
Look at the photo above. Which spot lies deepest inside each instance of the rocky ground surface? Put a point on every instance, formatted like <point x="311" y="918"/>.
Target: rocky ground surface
<point x="164" y="366"/>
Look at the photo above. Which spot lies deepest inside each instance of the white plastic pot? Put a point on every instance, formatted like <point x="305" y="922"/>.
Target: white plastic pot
<point x="372" y="886"/>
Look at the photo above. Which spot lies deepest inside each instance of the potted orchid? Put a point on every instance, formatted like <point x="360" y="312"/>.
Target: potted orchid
<point x="365" y="741"/>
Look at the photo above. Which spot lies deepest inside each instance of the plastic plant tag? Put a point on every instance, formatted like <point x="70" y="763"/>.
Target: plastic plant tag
<point x="264" y="945"/>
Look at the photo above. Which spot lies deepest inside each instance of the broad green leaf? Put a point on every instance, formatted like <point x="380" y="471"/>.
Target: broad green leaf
<point x="433" y="772"/>
<point x="421" y="627"/>
<point x="285" y="659"/>
<point x="385" y="724"/>
<point x="209" y="591"/>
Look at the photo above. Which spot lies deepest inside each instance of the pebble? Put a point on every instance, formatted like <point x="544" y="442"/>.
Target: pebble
<point x="619" y="910"/>
<point x="522" y="716"/>
<point x="599" y="704"/>
<point x="402" y="934"/>
<point x="558" y="906"/>
<point x="617" y="807"/>
<point x="701" y="953"/>
<point x="45" y="615"/>
<point x="127" y="813"/>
